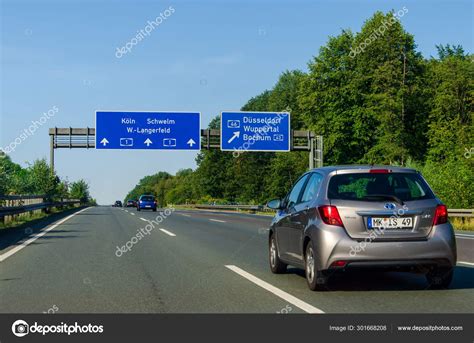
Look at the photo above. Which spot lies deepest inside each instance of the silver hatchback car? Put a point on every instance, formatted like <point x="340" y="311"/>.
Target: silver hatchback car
<point x="353" y="217"/>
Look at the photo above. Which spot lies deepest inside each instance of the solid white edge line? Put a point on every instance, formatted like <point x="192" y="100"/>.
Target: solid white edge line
<point x="468" y="263"/>
<point x="185" y="215"/>
<point x="278" y="292"/>
<point x="9" y="253"/>
<point x="168" y="233"/>
<point x="217" y="220"/>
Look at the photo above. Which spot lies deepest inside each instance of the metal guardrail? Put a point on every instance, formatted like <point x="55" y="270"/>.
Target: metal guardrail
<point x="24" y="208"/>
<point x="262" y="208"/>
<point x="251" y="208"/>
<point x="460" y="213"/>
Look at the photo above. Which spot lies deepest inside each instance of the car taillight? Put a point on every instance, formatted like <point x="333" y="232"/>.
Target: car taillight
<point x="441" y="215"/>
<point x="380" y="171"/>
<point x="330" y="215"/>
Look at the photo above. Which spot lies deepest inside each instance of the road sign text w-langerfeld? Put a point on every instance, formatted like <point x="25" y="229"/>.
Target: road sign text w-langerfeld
<point x="148" y="130"/>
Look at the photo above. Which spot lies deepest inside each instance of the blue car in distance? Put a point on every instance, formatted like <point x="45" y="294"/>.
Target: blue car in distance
<point x="147" y="202"/>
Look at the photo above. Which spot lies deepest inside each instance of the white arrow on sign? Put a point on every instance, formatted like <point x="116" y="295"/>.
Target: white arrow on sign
<point x="191" y="142"/>
<point x="104" y="142"/>
<point x="236" y="135"/>
<point x="148" y="142"/>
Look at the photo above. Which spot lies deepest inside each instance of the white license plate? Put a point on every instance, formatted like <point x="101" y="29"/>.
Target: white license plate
<point x="389" y="223"/>
<point x="148" y="206"/>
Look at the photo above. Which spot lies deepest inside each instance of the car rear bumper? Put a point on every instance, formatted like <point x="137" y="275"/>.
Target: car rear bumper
<point x="396" y="265"/>
<point x="437" y="250"/>
<point x="147" y="207"/>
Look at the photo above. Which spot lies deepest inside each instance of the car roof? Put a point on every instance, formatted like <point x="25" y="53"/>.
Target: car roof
<point x="358" y="167"/>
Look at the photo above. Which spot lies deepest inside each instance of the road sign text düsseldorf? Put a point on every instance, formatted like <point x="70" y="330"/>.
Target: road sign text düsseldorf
<point x="148" y="130"/>
<point x="255" y="131"/>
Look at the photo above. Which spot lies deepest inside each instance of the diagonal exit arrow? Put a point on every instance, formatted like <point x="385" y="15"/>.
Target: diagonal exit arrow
<point x="236" y="135"/>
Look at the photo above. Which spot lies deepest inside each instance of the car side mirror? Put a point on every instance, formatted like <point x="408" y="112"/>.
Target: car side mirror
<point x="275" y="204"/>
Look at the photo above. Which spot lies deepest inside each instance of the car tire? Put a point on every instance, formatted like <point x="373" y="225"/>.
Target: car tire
<point x="316" y="279"/>
<point x="440" y="278"/>
<point x="138" y="209"/>
<point x="154" y="210"/>
<point x="276" y="265"/>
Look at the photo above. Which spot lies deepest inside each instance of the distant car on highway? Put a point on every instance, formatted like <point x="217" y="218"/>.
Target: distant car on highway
<point x="131" y="203"/>
<point x="118" y="203"/>
<point x="147" y="202"/>
<point x="362" y="217"/>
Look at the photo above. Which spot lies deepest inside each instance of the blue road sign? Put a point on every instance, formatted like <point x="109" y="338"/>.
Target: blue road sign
<point x="255" y="131"/>
<point x="148" y="130"/>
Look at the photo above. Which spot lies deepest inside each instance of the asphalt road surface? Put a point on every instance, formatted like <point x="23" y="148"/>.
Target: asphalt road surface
<point x="192" y="262"/>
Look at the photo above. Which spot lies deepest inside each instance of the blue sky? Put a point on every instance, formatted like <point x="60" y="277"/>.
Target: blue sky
<point x="207" y="56"/>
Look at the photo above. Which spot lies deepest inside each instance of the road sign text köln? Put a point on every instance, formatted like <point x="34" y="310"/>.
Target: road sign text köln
<point x="255" y="131"/>
<point x="148" y="130"/>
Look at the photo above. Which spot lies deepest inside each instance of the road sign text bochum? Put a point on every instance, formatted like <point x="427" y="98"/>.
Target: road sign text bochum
<point x="255" y="131"/>
<point x="148" y="130"/>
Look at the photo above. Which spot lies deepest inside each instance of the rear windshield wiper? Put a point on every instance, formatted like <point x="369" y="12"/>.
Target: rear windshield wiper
<point x="384" y="196"/>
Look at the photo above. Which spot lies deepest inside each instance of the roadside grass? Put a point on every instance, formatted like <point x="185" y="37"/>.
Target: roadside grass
<point x="462" y="223"/>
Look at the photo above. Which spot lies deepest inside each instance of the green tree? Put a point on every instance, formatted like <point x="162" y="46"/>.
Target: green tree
<point x="41" y="179"/>
<point x="211" y="173"/>
<point x="80" y="190"/>
<point x="284" y="97"/>
<point x="388" y="76"/>
<point x="181" y="189"/>
<point x="329" y="100"/>
<point x="451" y="80"/>
<point x="369" y="105"/>
<point x="449" y="137"/>
<point x="283" y="172"/>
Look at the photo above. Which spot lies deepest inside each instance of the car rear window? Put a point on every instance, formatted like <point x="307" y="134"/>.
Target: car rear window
<point x="148" y="198"/>
<point x="367" y="186"/>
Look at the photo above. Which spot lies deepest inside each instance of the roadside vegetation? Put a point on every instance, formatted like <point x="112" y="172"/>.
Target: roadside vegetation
<point x="386" y="105"/>
<point x="36" y="179"/>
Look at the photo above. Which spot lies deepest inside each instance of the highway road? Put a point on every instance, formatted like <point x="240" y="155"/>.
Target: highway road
<point x="191" y="262"/>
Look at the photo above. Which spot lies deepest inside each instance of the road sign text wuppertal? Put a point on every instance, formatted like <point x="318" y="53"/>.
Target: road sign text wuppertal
<point x="148" y="130"/>
<point x="255" y="131"/>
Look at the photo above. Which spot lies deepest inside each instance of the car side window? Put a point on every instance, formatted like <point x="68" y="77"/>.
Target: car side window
<point x="294" y="195"/>
<point x="312" y="187"/>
